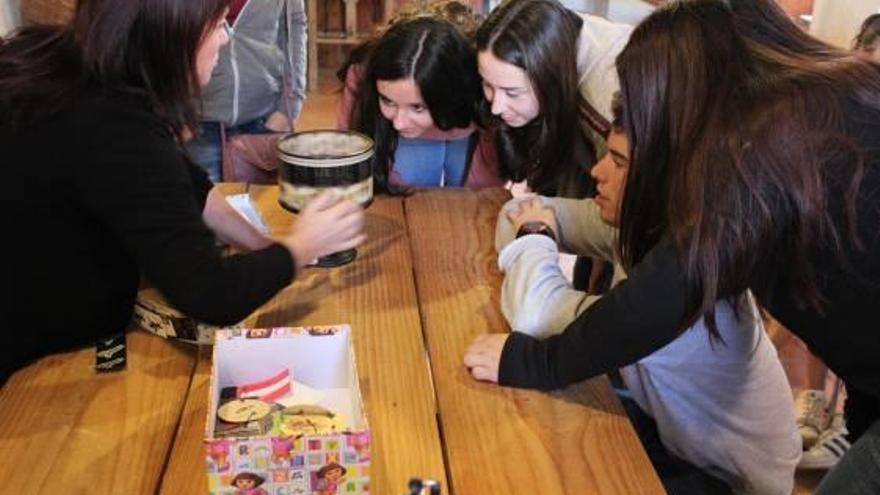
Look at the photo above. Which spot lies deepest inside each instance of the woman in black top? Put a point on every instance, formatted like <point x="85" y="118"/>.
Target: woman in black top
<point x="755" y="165"/>
<point x="100" y="192"/>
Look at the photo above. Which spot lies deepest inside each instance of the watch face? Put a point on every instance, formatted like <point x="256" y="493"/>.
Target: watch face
<point x="243" y="410"/>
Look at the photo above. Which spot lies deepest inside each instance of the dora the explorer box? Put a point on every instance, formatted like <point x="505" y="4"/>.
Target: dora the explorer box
<point x="285" y="414"/>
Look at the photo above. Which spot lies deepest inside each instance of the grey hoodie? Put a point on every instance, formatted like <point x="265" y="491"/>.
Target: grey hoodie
<point x="725" y="408"/>
<point x="263" y="67"/>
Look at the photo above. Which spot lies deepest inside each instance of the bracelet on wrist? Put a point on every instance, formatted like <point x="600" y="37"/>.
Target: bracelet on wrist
<point x="536" y="227"/>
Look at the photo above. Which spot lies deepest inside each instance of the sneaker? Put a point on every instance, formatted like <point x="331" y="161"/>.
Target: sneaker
<point x="812" y="417"/>
<point x="830" y="447"/>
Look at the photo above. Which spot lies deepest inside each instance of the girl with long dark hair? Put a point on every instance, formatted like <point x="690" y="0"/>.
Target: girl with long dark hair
<point x="754" y="165"/>
<point x="548" y="79"/>
<point x="93" y="116"/>
<point x="681" y="394"/>
<point x="414" y="89"/>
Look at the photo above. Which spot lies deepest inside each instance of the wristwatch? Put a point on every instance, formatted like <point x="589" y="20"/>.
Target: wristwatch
<point x="536" y="227"/>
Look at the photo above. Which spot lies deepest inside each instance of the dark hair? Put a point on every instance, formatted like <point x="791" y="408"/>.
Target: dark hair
<point x="142" y="47"/>
<point x="766" y="29"/>
<point x="326" y="469"/>
<point x="460" y="15"/>
<point x="617" y="112"/>
<point x="731" y="128"/>
<point x="869" y="34"/>
<point x="257" y="479"/>
<point x="541" y="38"/>
<point x="437" y="56"/>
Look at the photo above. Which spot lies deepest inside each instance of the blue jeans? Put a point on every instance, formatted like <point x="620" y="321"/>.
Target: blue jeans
<point x="678" y="476"/>
<point x="206" y="148"/>
<point x="431" y="162"/>
<point x="858" y="472"/>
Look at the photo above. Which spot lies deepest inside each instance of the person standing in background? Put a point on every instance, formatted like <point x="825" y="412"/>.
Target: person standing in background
<point x="257" y="89"/>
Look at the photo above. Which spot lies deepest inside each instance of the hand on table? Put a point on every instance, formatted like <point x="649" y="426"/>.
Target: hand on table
<point x="483" y="357"/>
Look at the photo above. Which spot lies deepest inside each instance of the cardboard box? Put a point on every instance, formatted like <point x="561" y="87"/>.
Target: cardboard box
<point x="322" y="359"/>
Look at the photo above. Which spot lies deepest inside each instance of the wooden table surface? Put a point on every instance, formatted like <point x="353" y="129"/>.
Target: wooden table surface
<point x="422" y="287"/>
<point x="503" y="440"/>
<point x="377" y="296"/>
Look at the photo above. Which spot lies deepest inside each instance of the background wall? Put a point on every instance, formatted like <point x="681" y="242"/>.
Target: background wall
<point x="9" y="15"/>
<point x="796" y="8"/>
<point x="838" y="21"/>
<point x="835" y="21"/>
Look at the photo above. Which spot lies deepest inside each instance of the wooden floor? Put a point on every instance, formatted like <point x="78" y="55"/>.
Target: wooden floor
<point x="319" y="112"/>
<point x="792" y="353"/>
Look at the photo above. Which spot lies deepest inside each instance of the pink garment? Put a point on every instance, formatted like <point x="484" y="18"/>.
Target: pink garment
<point x="235" y="7"/>
<point x="328" y="486"/>
<point x="484" y="162"/>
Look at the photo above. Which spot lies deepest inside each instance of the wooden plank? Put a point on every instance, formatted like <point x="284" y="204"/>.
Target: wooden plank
<point x="355" y="39"/>
<point x="503" y="440"/>
<point x="388" y="10"/>
<point x="312" y="45"/>
<point x="351" y="17"/>
<point x="66" y="429"/>
<point x="186" y="466"/>
<point x="376" y="295"/>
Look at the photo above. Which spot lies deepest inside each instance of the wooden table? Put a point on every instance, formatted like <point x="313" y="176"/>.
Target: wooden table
<point x="423" y="285"/>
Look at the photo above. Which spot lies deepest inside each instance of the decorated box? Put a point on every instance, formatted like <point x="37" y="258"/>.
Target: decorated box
<point x="285" y="414"/>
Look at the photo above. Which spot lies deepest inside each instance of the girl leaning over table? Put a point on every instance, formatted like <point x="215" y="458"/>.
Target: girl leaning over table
<point x="414" y="89"/>
<point x="548" y="78"/>
<point x="763" y="175"/>
<point x="693" y="389"/>
<point x="93" y="116"/>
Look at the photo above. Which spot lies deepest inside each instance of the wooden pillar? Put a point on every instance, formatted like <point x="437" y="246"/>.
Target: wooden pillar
<point x="312" y="63"/>
<point x="388" y="10"/>
<point x="351" y="18"/>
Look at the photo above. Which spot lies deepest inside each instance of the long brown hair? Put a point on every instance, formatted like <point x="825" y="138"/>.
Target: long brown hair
<point x="143" y="47"/>
<point x="541" y="38"/>
<point x="732" y="130"/>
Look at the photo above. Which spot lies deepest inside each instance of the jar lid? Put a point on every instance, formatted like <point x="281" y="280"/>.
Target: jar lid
<point x="325" y="145"/>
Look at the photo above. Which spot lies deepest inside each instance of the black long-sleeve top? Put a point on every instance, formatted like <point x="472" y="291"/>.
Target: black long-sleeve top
<point x="644" y="313"/>
<point x="94" y="197"/>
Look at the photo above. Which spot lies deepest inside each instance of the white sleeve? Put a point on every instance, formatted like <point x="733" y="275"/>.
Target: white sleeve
<point x="536" y="298"/>
<point x="581" y="230"/>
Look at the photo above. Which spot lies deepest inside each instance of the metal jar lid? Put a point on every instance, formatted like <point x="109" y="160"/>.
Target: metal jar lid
<point x="325" y="148"/>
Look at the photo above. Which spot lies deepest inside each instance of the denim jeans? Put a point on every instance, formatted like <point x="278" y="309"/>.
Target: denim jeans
<point x="858" y="472"/>
<point x="678" y="476"/>
<point x="431" y="162"/>
<point x="206" y="148"/>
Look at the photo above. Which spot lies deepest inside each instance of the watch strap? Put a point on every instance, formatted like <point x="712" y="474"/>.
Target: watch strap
<point x="536" y="227"/>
